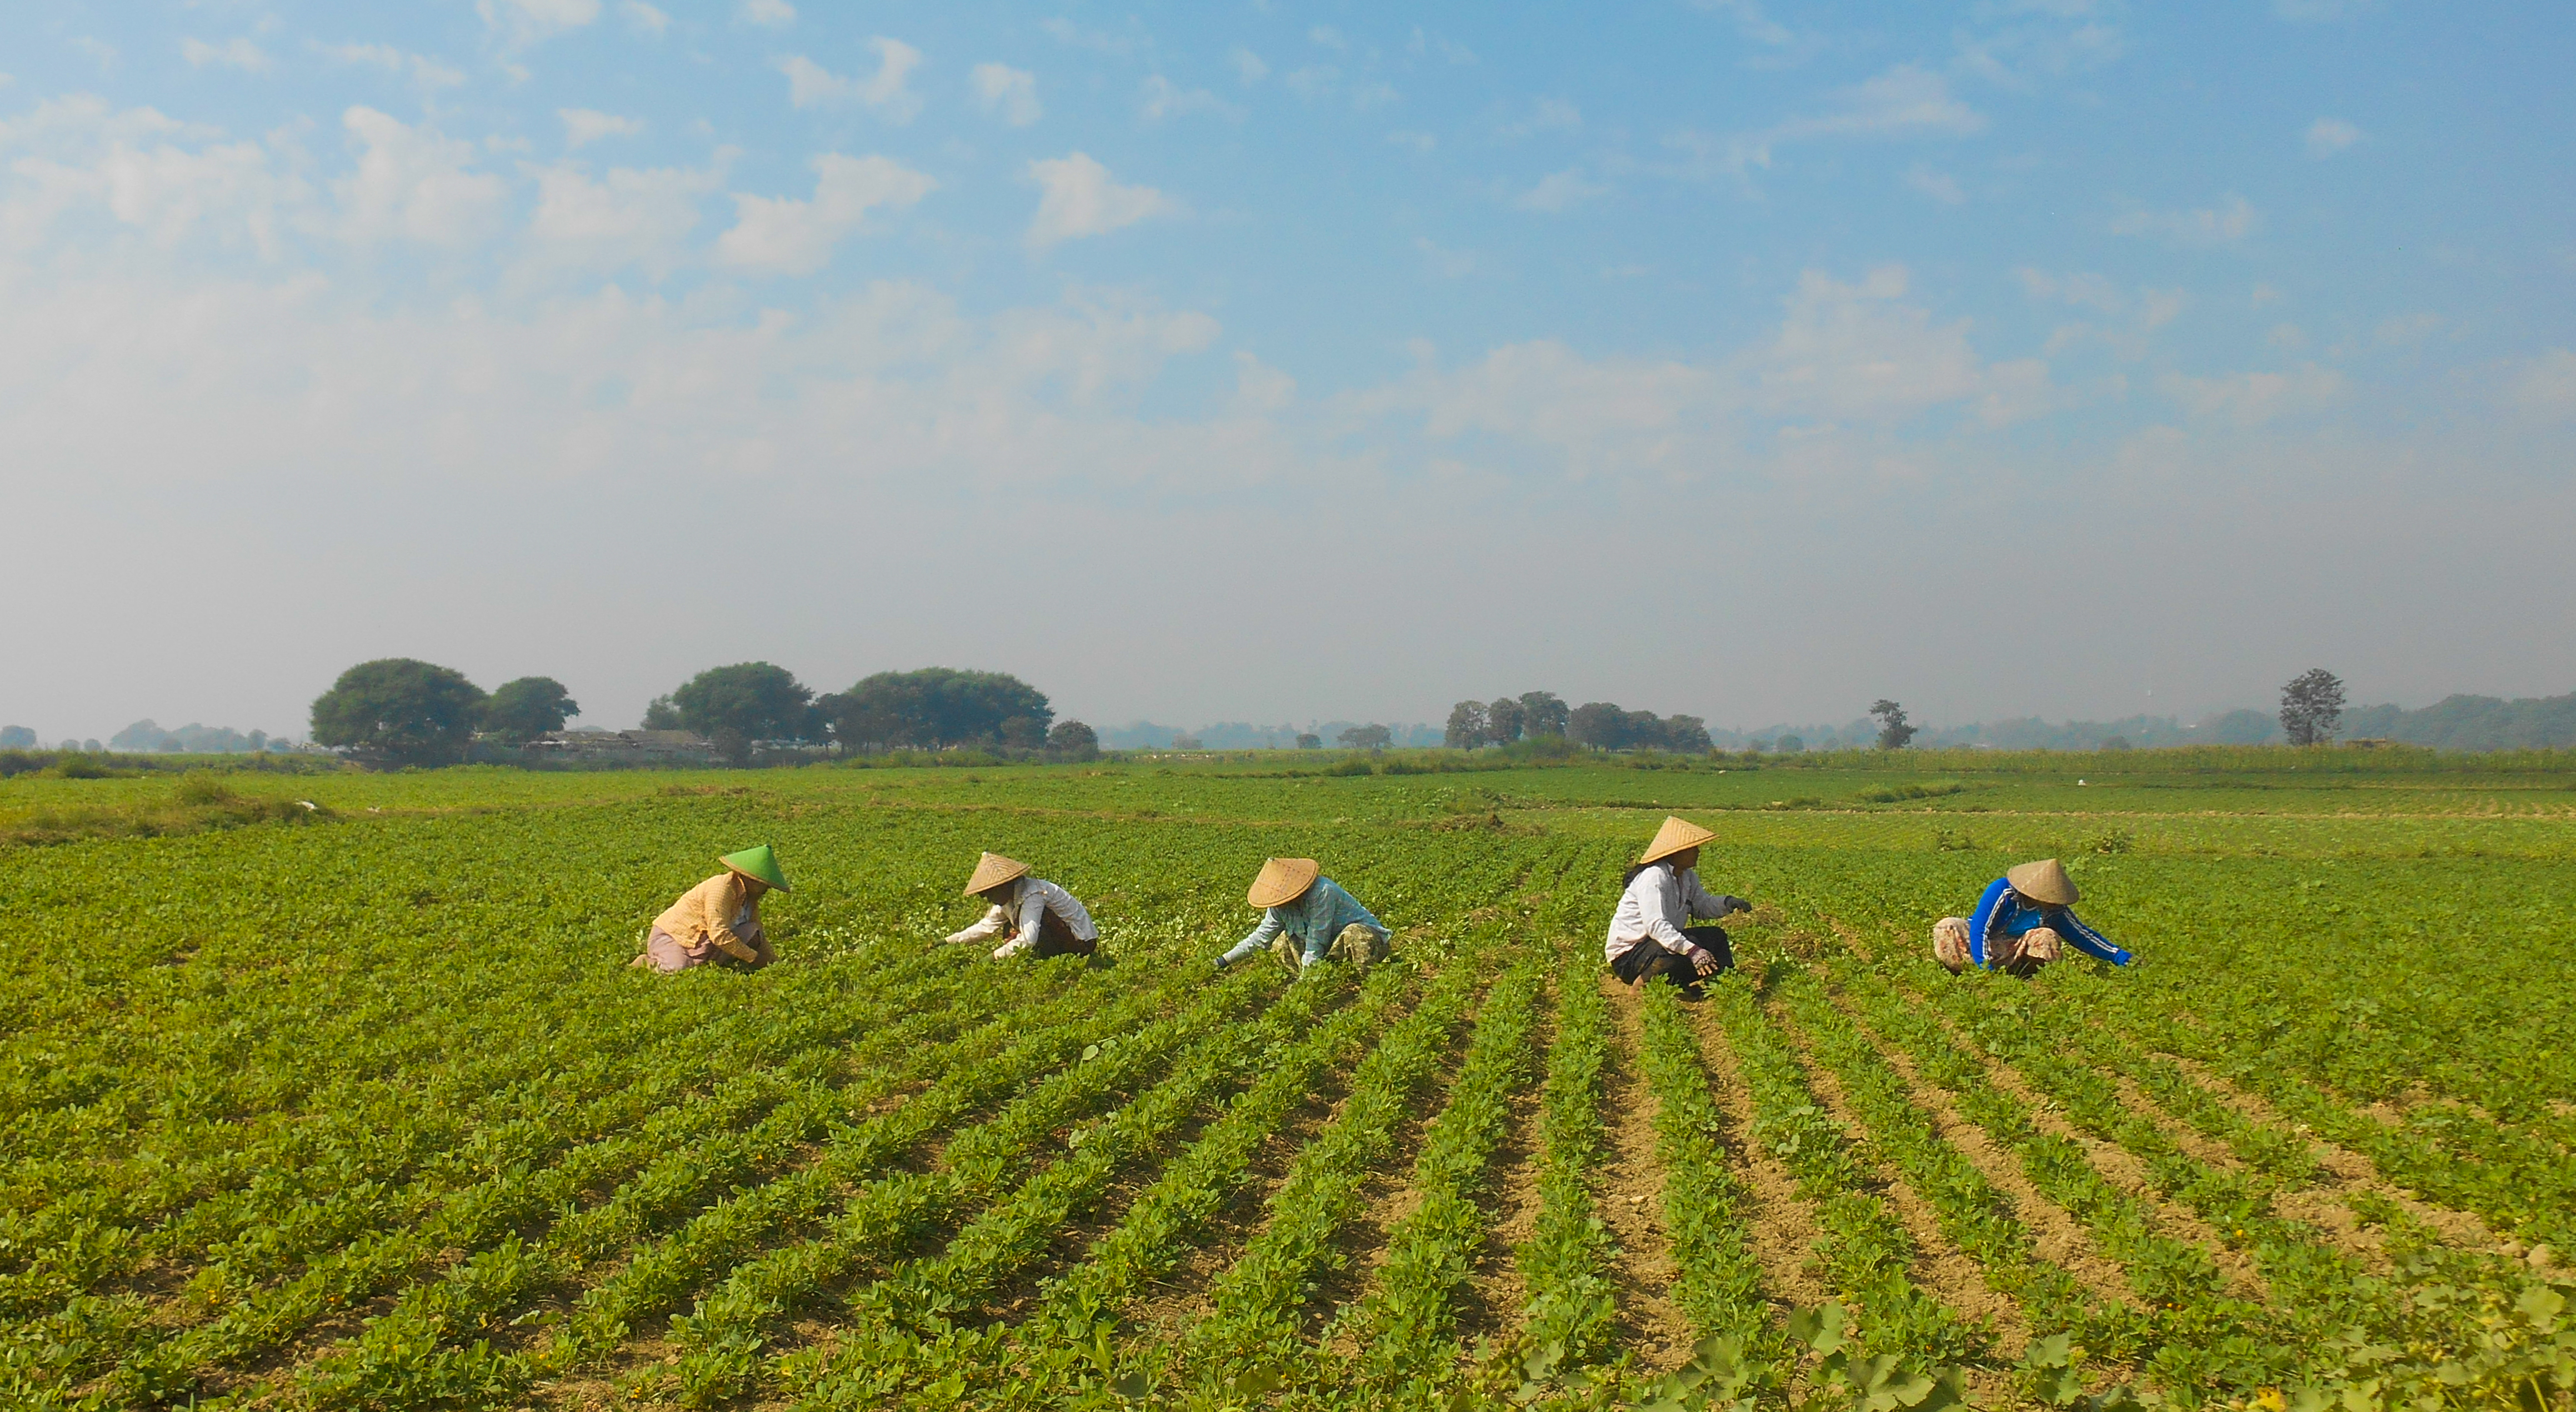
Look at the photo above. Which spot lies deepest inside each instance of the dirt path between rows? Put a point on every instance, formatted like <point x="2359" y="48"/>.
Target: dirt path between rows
<point x="1496" y="1290"/>
<point x="2056" y="1237"/>
<point x="2129" y="1174"/>
<point x="1782" y="1231"/>
<point x="1939" y="1265"/>
<point x="1629" y="1193"/>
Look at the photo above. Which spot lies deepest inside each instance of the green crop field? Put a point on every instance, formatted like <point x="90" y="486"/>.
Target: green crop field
<point x="357" y="1106"/>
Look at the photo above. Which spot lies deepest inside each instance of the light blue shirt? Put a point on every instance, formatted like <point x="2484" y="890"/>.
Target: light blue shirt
<point x="1315" y="918"/>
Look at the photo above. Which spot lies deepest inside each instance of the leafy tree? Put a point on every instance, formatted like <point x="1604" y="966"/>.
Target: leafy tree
<point x="1370" y="737"/>
<point x="1893" y="732"/>
<point x="1186" y="741"/>
<point x="1542" y="713"/>
<point x="409" y="712"/>
<point x="1503" y="720"/>
<point x="933" y="708"/>
<point x="761" y="701"/>
<point x="1072" y="740"/>
<point x="1686" y="735"/>
<point x="1024" y="733"/>
<point x="1308" y="740"/>
<point x="2312" y="706"/>
<point x="1467" y="726"/>
<point x="1790" y="745"/>
<point x="1599" y="725"/>
<point x="661" y="715"/>
<point x="17" y="738"/>
<point x="520" y="711"/>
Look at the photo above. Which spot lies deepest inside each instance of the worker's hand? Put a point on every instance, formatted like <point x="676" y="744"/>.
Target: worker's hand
<point x="1733" y="905"/>
<point x="1704" y="960"/>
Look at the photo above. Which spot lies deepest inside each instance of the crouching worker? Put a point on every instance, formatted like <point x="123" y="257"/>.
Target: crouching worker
<point x="1651" y="933"/>
<point x="1306" y="918"/>
<point x="1032" y="915"/>
<point x="2021" y="925"/>
<point x="718" y="921"/>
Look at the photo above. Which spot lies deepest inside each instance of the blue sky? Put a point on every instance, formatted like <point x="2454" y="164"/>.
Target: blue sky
<point x="1279" y="361"/>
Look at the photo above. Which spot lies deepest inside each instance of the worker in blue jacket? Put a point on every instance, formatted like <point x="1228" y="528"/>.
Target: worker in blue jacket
<point x="2022" y="924"/>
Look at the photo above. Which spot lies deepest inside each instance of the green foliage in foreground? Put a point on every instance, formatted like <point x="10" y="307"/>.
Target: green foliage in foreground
<point x="358" y="1106"/>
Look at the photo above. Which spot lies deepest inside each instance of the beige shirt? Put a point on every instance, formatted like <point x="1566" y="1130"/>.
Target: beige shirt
<point x="721" y="912"/>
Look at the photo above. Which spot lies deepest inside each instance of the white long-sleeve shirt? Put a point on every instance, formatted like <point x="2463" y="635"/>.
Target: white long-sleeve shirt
<point x="1029" y="897"/>
<point x="1657" y="905"/>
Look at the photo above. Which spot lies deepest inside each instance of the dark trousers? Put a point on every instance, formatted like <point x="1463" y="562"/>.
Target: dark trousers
<point x="1648" y="959"/>
<point x="1057" y="939"/>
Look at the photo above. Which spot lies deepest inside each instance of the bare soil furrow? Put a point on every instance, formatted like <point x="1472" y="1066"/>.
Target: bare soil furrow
<point x="1649" y="1322"/>
<point x="1939" y="1266"/>
<point x="1784" y="1231"/>
<point x="2056" y="1236"/>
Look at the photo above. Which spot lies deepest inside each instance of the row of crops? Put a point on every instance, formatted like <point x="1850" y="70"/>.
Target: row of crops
<point x="381" y="1121"/>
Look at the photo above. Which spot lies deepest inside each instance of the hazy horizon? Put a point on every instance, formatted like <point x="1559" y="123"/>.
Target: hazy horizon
<point x="1746" y="360"/>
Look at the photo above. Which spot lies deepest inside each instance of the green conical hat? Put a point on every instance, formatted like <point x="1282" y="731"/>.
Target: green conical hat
<point x="760" y="863"/>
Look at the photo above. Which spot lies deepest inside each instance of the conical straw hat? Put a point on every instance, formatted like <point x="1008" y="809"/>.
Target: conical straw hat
<point x="993" y="871"/>
<point x="1283" y="880"/>
<point x="760" y="865"/>
<point x="1673" y="837"/>
<point x="2043" y="881"/>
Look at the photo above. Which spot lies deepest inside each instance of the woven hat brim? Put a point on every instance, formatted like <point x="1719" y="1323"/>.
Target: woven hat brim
<point x="1675" y="836"/>
<point x="759" y="864"/>
<point x="2044" y="881"/>
<point x="1282" y="881"/>
<point x="993" y="870"/>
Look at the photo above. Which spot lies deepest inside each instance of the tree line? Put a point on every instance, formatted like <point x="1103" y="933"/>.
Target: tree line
<point x="1534" y="715"/>
<point x="412" y="712"/>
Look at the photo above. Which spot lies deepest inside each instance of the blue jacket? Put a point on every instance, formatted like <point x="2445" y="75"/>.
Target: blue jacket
<point x="2004" y="912"/>
<point x="1315" y="919"/>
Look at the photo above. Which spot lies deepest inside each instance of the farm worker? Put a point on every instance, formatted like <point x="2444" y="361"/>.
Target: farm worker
<point x="1306" y="918"/>
<point x="718" y="920"/>
<point x="1650" y="933"/>
<point x="1034" y="915"/>
<point x="2021" y="925"/>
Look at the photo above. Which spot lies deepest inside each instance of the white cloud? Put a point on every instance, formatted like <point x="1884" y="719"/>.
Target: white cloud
<point x="1907" y="101"/>
<point x="2545" y="387"/>
<point x="1447" y="264"/>
<point x="1313" y="81"/>
<point x="2318" y="11"/>
<point x="768" y="14"/>
<point x="1068" y="33"/>
<point x="2128" y="321"/>
<point x="383" y="56"/>
<point x="1247" y="65"/>
<point x="1546" y="115"/>
<point x="520" y="23"/>
<point x="2408" y="329"/>
<point x="2230" y="221"/>
<point x="1421" y="143"/>
<point x="1080" y="200"/>
<point x="99" y="50"/>
<point x="583" y="126"/>
<point x="644" y="18"/>
<point x="1160" y="99"/>
<point x="1940" y="186"/>
<point x="1009" y="93"/>
<point x="1445" y="47"/>
<point x="782" y="235"/>
<point x="411" y="183"/>
<point x="1559" y="191"/>
<point x="810" y="85"/>
<point x="1750" y="21"/>
<point x="2327" y="136"/>
<point x="2251" y="399"/>
<point x="639" y="217"/>
<point x="1328" y="37"/>
<point x="232" y="54"/>
<point x="1856" y="352"/>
